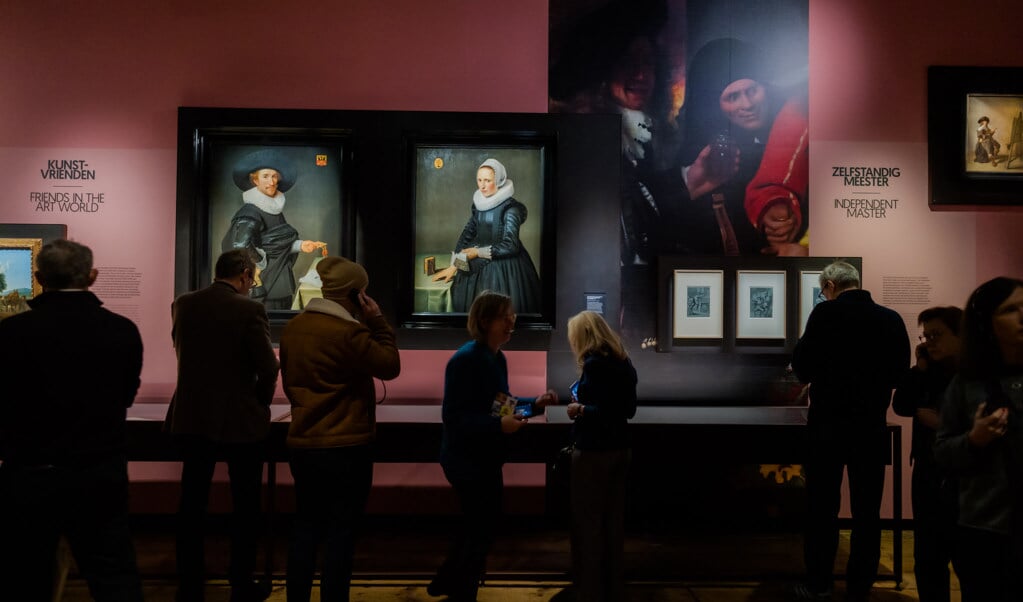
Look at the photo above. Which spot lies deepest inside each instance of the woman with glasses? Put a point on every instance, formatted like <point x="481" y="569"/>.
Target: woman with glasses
<point x="980" y="440"/>
<point x="479" y="415"/>
<point x="919" y="395"/>
<point x="603" y="400"/>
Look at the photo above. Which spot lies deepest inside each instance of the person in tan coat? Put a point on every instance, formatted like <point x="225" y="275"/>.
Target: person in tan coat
<point x="330" y="354"/>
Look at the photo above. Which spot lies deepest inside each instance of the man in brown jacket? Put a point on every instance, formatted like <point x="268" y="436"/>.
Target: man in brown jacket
<point x="227" y="371"/>
<point x="330" y="354"/>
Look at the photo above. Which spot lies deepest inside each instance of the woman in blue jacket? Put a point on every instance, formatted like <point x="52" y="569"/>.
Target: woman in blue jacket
<point x="476" y="430"/>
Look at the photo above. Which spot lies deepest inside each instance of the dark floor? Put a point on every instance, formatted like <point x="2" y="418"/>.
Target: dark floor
<point x="396" y="556"/>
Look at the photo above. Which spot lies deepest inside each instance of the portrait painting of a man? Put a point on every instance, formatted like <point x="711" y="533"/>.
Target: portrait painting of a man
<point x="282" y="203"/>
<point x="994" y="133"/>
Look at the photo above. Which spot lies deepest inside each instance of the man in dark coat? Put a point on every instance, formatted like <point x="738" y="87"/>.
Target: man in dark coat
<point x="70" y="371"/>
<point x="852" y="353"/>
<point x="227" y="371"/>
<point x="935" y="494"/>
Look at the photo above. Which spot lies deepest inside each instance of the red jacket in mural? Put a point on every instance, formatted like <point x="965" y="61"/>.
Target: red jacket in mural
<point x="783" y="175"/>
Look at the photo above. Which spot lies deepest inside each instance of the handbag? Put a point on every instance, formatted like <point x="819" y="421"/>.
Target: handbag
<point x="565" y="455"/>
<point x="563" y="459"/>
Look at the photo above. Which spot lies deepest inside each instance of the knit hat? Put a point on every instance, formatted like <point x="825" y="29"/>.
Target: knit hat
<point x="340" y="275"/>
<point x="721" y="62"/>
<point x="717" y="64"/>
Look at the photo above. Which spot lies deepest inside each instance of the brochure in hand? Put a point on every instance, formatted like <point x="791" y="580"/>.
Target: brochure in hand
<point x="505" y="404"/>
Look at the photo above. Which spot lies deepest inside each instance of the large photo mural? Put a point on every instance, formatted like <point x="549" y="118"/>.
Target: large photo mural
<point x="713" y="102"/>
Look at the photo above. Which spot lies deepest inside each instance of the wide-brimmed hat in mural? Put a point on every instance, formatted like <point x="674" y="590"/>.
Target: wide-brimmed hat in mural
<point x="266" y="158"/>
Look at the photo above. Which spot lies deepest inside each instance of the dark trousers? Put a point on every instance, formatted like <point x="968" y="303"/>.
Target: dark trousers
<point x="88" y="505"/>
<point x="480" y="498"/>
<point x="862" y="454"/>
<point x="935" y="512"/>
<point x="331" y="489"/>
<point x="990" y="565"/>
<point x="245" y="470"/>
<point x="598" y="523"/>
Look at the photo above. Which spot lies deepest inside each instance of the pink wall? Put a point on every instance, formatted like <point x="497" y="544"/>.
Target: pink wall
<point x="422" y="374"/>
<point x="868" y="84"/>
<point x="112" y="74"/>
<point x="869" y="58"/>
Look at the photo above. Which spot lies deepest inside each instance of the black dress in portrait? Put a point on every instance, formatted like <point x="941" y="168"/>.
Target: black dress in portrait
<point x="510" y="269"/>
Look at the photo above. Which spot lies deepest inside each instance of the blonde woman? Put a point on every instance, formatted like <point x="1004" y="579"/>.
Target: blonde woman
<point x="603" y="400"/>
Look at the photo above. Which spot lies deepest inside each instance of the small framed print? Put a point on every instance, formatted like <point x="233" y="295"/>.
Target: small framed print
<point x="699" y="302"/>
<point x="974" y="136"/>
<point x="760" y="305"/>
<point x="810" y="296"/>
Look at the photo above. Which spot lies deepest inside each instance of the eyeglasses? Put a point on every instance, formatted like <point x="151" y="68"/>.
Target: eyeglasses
<point x="930" y="337"/>
<point x="820" y="298"/>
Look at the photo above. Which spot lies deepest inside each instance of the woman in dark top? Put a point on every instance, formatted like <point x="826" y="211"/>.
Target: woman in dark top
<point x="919" y="396"/>
<point x="473" y="449"/>
<point x="603" y="400"/>
<point x="980" y="441"/>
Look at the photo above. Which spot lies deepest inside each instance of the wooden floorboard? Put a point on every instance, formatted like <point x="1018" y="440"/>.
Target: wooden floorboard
<point x="531" y="565"/>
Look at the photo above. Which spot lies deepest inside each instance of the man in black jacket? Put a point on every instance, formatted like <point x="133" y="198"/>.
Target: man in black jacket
<point x="70" y="371"/>
<point x="852" y="353"/>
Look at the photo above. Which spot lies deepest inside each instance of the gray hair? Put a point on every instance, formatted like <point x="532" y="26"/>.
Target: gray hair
<point x="64" y="264"/>
<point x="842" y="273"/>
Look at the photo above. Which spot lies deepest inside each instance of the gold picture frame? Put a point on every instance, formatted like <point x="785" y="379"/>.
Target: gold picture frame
<point x="12" y="299"/>
<point x="975" y="136"/>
